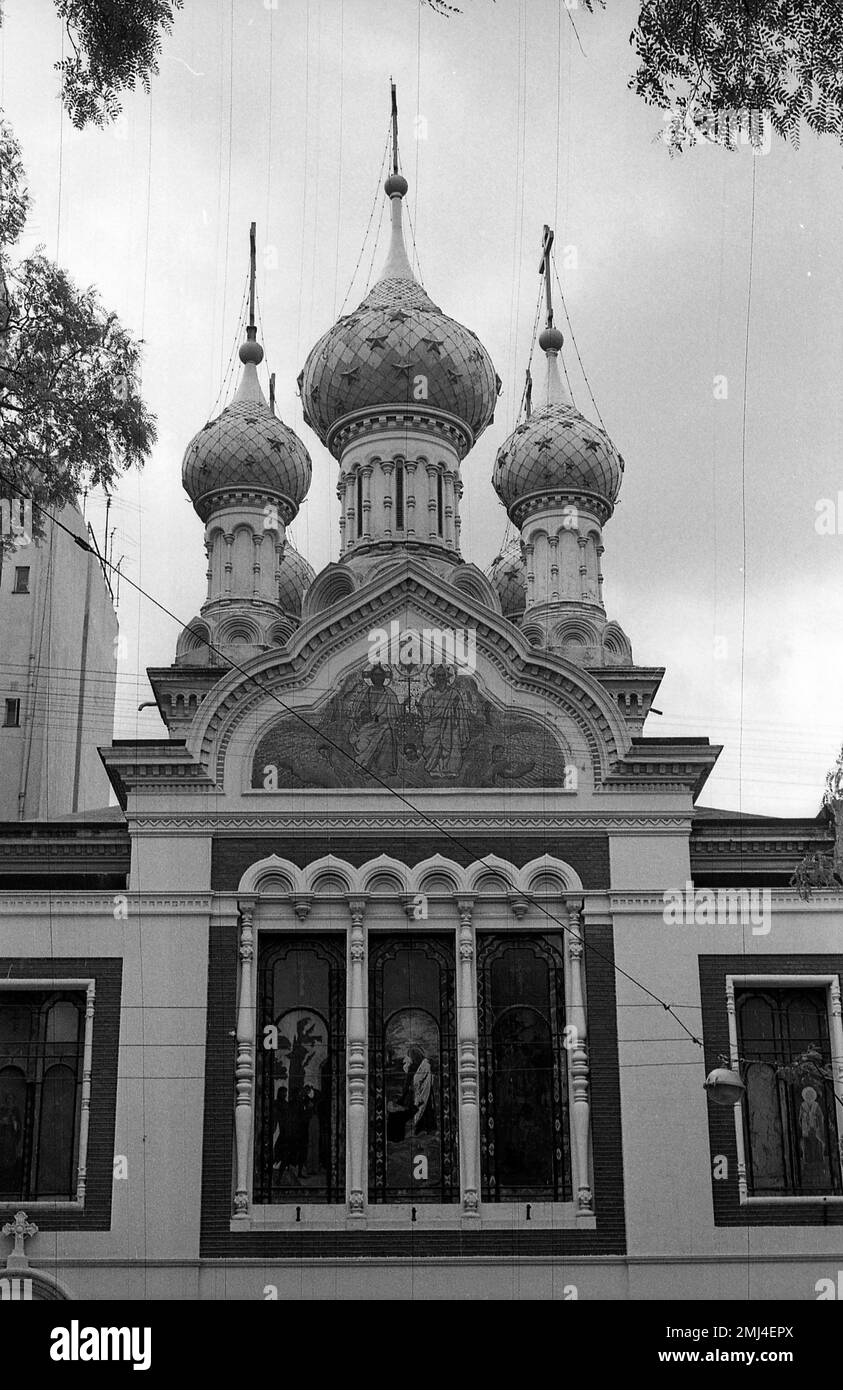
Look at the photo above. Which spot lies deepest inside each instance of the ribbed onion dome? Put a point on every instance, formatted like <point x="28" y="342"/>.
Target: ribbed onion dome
<point x="374" y="357"/>
<point x="508" y="575"/>
<point x="296" y="576"/>
<point x="247" y="449"/>
<point x="557" y="451"/>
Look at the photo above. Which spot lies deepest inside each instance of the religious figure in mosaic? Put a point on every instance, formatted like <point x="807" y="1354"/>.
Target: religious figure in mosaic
<point x="413" y="725"/>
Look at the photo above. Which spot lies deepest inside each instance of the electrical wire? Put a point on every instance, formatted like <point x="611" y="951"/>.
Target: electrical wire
<point x="393" y="792"/>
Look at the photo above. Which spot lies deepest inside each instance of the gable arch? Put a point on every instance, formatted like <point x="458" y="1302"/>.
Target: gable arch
<point x="547" y="874"/>
<point x="326" y="648"/>
<point x="270" y="874"/>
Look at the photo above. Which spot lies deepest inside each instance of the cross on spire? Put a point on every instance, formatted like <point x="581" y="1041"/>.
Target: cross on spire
<point x="252" y="273"/>
<point x="544" y="269"/>
<point x="394" y="96"/>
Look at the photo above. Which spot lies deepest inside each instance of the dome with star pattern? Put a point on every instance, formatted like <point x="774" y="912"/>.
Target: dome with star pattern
<point x="558" y="451"/>
<point x="295" y="576"/>
<point x="246" y="449"/>
<point x="508" y="575"/>
<point x="397" y="348"/>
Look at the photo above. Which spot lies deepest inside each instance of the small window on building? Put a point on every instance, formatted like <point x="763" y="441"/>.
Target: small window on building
<point x="789" y="1110"/>
<point x="439" y="510"/>
<point x="399" y="497"/>
<point x="359" y="504"/>
<point x="11" y="718"/>
<point x="21" y="584"/>
<point x="41" y="1047"/>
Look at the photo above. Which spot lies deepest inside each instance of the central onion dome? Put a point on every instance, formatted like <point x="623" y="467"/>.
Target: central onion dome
<point x="557" y="451"/>
<point x="397" y="349"/>
<point x="247" y="449"/>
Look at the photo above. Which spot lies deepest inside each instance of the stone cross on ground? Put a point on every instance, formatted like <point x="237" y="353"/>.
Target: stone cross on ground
<point x="21" y="1229"/>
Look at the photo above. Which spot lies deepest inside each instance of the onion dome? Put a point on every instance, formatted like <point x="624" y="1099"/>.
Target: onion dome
<point x="247" y="449"/>
<point x="295" y="577"/>
<point x="398" y="349"/>
<point x="557" y="452"/>
<point x="508" y="576"/>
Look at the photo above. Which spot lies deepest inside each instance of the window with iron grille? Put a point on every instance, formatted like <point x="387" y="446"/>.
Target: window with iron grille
<point x="789" y="1110"/>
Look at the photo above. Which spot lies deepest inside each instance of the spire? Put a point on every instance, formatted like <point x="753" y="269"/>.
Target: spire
<point x="551" y="340"/>
<point x="251" y="352"/>
<point x="397" y="262"/>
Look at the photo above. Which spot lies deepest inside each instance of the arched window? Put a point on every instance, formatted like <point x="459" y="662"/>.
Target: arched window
<point x="300" y="1083"/>
<point x="413" y="1121"/>
<point x="525" y="1149"/>
<point x="41" y="1044"/>
<point x="399" y="496"/>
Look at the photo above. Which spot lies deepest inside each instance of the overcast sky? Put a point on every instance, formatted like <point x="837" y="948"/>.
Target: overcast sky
<point x="280" y="115"/>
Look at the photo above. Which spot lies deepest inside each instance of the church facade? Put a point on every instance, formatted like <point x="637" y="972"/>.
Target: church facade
<point x="402" y="969"/>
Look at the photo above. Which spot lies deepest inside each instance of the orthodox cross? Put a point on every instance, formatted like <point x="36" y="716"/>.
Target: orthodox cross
<point x="21" y="1229"/>
<point x="544" y="269"/>
<point x="394" y="127"/>
<point x="252" y="263"/>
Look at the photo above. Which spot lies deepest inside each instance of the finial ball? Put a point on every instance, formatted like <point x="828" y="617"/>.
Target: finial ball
<point x="551" y="340"/>
<point x="251" y="352"/>
<point x="396" y="184"/>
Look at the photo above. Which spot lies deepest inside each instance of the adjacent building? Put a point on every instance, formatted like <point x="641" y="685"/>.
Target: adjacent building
<point x="58" y="671"/>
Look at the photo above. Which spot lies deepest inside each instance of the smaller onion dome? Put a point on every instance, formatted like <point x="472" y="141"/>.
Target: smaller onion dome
<point x="295" y="577"/>
<point x="247" y="449"/>
<point x="557" y="450"/>
<point x="508" y="575"/>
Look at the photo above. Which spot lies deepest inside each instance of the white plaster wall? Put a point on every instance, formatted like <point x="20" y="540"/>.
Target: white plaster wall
<point x="664" y="1109"/>
<point x="160" y="1093"/>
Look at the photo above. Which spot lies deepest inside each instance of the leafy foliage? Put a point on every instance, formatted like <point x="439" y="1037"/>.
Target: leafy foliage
<point x="70" y="407"/>
<point x="825" y="870"/>
<point x="115" y="45"/>
<point x="728" y="69"/>
<point x="780" y="59"/>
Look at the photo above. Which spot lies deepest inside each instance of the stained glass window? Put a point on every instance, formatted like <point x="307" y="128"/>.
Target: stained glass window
<point x="790" y="1125"/>
<point x="41" y="1047"/>
<point x="413" y="1119"/>
<point x="300" y="1073"/>
<point x="525" y="1144"/>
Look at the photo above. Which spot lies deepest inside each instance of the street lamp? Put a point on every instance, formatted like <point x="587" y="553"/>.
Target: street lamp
<point x="724" y="1086"/>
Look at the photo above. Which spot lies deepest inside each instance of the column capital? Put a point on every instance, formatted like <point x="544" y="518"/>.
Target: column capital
<point x="246" y="907"/>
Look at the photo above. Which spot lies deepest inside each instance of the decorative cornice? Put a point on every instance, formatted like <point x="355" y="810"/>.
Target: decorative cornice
<point x="39" y="902"/>
<point x="386" y="418"/>
<point x="277" y="822"/>
<point x="647" y="901"/>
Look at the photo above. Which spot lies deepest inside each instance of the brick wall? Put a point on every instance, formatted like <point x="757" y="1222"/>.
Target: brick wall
<point x="231" y="855"/>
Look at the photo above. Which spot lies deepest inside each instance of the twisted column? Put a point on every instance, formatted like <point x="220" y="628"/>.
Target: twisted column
<point x="356" y="1037"/>
<point x="244" y="1067"/>
<point x="580" y="1085"/>
<point x="468" y="1061"/>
